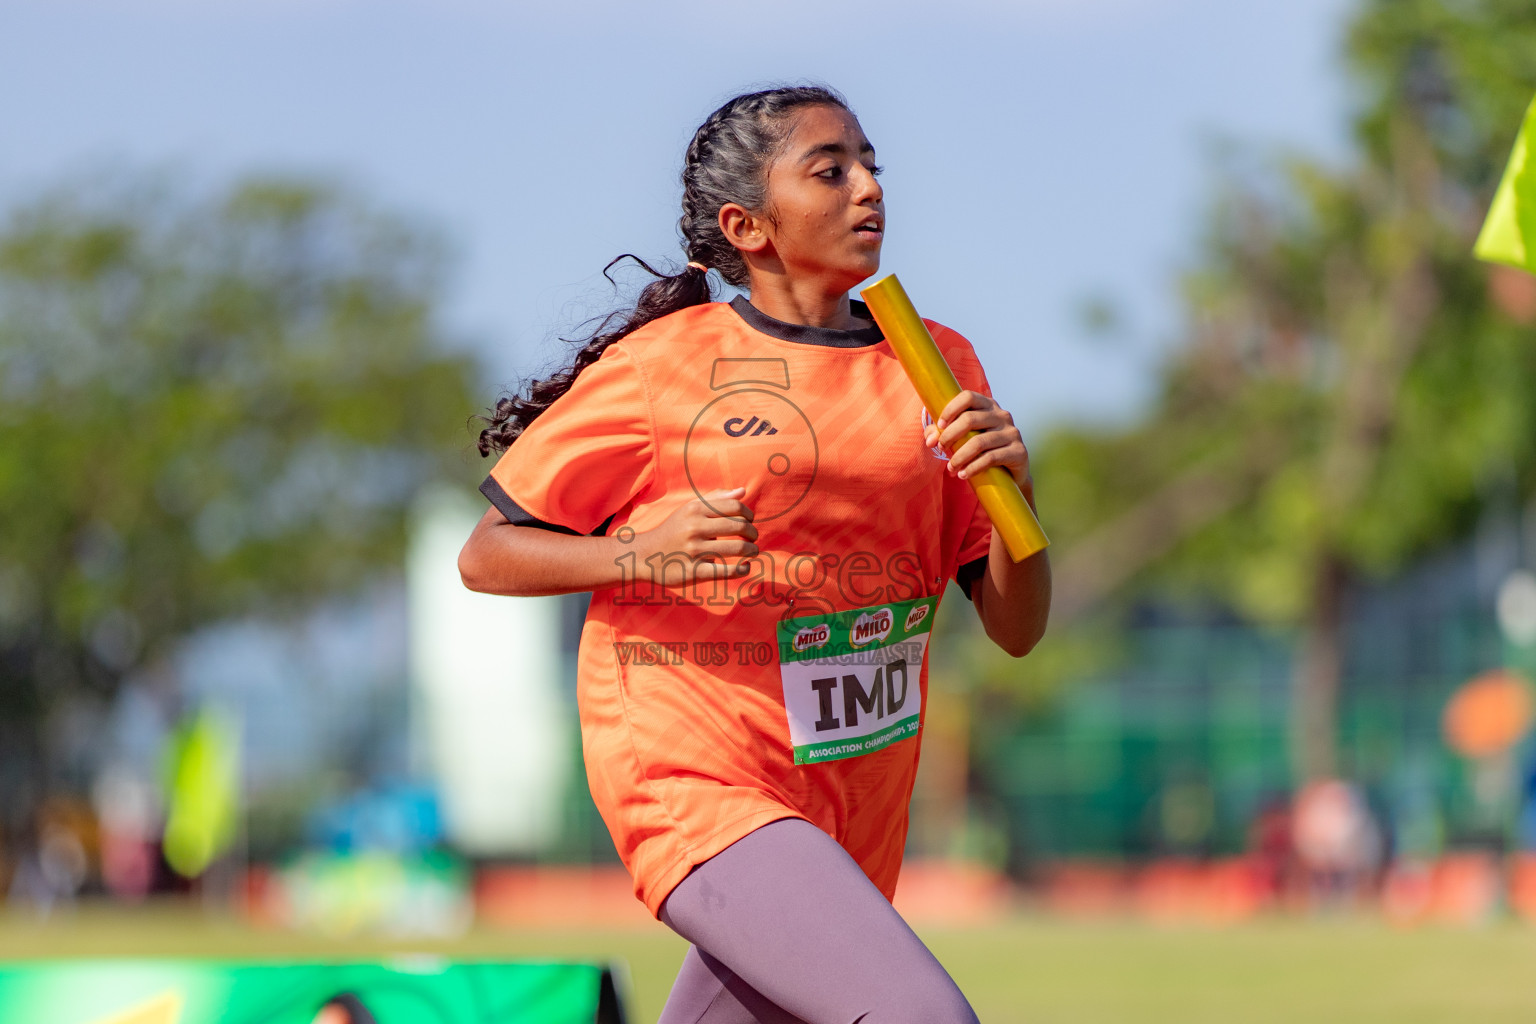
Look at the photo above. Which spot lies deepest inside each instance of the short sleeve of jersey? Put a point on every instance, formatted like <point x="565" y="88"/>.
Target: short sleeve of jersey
<point x="976" y="542"/>
<point x="585" y="457"/>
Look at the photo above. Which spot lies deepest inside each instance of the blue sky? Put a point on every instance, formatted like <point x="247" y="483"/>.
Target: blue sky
<point x="1038" y="152"/>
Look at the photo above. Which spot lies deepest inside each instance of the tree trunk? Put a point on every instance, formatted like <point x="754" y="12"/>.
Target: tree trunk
<point x="1316" y="678"/>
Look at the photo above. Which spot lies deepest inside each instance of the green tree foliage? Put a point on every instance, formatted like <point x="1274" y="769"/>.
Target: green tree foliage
<point x="1355" y="386"/>
<point x="209" y="406"/>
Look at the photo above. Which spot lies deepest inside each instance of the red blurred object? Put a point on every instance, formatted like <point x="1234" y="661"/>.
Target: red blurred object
<point x="952" y="893"/>
<point x="263" y="898"/>
<point x="1168" y="890"/>
<point x="1465" y="888"/>
<point x="1522" y="885"/>
<point x="1272" y="851"/>
<point x="1164" y="890"/>
<point x="551" y="897"/>
<point x="1236" y="889"/>
<point x="1408" y="892"/>
<point x="1086" y="888"/>
<point x="1216" y="892"/>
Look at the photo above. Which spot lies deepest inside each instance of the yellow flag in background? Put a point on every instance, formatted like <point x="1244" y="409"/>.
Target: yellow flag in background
<point x="203" y="788"/>
<point x="1509" y="233"/>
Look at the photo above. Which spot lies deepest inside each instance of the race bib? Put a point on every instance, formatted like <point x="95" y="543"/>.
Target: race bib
<point x="851" y="678"/>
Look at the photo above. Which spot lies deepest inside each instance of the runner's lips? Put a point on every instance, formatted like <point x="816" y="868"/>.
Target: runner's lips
<point x="872" y="226"/>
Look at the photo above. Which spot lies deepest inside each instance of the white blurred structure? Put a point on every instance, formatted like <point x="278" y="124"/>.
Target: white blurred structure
<point x="1516" y="607"/>
<point x="486" y="693"/>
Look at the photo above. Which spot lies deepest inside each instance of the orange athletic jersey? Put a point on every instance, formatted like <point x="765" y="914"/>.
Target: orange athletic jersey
<point x="680" y="690"/>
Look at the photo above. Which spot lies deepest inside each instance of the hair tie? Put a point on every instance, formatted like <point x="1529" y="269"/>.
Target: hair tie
<point x="700" y="266"/>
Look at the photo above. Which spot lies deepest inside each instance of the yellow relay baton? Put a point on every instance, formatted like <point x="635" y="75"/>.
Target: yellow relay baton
<point x="936" y="385"/>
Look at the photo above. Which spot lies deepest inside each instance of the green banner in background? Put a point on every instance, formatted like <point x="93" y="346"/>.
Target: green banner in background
<point x="428" y="990"/>
<point x="1509" y="233"/>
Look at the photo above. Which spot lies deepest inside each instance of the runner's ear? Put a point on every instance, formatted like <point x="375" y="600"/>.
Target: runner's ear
<point x="744" y="229"/>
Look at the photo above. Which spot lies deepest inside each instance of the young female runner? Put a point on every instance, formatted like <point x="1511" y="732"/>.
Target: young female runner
<point x="766" y="519"/>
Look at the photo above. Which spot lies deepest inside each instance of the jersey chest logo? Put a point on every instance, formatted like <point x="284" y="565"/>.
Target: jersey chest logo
<point x="751" y="433"/>
<point x="737" y="427"/>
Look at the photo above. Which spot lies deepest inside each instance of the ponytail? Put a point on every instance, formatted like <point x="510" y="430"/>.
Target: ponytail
<point x="667" y="294"/>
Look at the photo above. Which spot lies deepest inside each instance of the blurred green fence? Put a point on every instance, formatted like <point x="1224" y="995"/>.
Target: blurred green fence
<point x="1178" y="749"/>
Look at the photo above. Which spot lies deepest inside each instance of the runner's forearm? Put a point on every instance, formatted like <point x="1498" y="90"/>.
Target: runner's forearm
<point x="525" y="561"/>
<point x="1013" y="599"/>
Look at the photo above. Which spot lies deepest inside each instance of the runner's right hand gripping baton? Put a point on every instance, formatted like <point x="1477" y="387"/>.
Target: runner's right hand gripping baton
<point x="935" y="383"/>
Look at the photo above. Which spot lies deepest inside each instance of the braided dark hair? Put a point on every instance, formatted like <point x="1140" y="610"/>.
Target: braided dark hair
<point x="727" y="162"/>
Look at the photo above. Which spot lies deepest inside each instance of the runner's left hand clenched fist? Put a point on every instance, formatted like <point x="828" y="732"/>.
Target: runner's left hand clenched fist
<point x="997" y="441"/>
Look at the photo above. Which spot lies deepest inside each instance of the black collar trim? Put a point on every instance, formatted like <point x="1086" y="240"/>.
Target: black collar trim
<point x="807" y="335"/>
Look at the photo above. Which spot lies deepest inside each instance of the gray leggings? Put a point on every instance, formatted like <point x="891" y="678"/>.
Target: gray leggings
<point x="787" y="929"/>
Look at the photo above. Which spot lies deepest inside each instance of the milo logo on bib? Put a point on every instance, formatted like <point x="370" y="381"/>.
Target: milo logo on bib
<point x="851" y="679"/>
<point x="870" y="627"/>
<point x="812" y="636"/>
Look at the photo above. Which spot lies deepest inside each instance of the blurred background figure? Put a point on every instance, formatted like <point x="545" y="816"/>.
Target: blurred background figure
<point x="1273" y="850"/>
<point x="1337" y="842"/>
<point x="130" y="824"/>
<point x="345" y="1008"/>
<point x="54" y="857"/>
